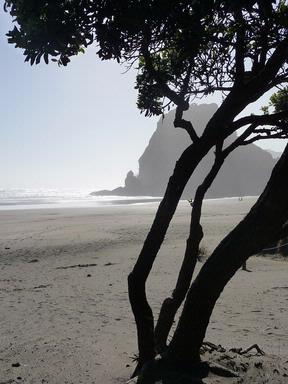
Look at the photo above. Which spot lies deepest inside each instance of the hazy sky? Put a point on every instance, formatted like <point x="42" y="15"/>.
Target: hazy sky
<point x="74" y="127"/>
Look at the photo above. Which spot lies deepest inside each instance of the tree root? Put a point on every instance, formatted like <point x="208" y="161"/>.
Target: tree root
<point x="222" y="371"/>
<point x="207" y="346"/>
<point x="159" y="369"/>
<point x="260" y="352"/>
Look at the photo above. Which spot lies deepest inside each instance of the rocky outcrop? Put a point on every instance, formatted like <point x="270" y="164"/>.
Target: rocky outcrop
<point x="245" y="171"/>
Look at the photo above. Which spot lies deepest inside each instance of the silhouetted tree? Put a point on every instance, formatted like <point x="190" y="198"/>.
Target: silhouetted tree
<point x="183" y="50"/>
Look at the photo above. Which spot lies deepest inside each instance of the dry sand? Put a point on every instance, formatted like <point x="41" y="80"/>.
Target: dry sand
<point x="62" y="321"/>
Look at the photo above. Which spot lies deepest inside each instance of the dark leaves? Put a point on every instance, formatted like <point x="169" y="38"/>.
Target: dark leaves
<point x="190" y="45"/>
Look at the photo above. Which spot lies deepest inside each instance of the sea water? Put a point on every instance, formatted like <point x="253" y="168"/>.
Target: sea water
<point x="27" y="198"/>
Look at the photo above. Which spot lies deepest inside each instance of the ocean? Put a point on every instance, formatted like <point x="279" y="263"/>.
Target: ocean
<point x="63" y="198"/>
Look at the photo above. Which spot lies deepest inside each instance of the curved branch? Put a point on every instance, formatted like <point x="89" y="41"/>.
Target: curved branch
<point x="240" y="140"/>
<point x="261" y="137"/>
<point x="260" y="134"/>
<point x="179" y="122"/>
<point x="272" y="119"/>
<point x="275" y="62"/>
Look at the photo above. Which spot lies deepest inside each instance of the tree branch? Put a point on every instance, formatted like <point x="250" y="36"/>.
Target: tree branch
<point x="272" y="119"/>
<point x="165" y="89"/>
<point x="261" y="137"/>
<point x="278" y="80"/>
<point x="239" y="48"/>
<point x="240" y="139"/>
<point x="274" y="63"/>
<point x="185" y="124"/>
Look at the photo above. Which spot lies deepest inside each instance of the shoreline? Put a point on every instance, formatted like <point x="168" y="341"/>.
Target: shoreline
<point x="101" y="201"/>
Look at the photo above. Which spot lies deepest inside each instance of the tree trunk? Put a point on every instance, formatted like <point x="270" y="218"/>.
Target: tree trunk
<point x="263" y="225"/>
<point x="171" y="305"/>
<point x="283" y="247"/>
<point x="217" y="129"/>
<point x="137" y="278"/>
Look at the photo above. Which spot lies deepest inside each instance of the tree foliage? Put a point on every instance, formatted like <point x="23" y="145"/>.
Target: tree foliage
<point x="279" y="100"/>
<point x="182" y="49"/>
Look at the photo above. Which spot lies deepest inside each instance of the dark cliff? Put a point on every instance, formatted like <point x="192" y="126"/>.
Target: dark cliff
<point x="245" y="171"/>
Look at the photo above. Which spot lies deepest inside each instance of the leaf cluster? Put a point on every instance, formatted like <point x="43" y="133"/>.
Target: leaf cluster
<point x="50" y="29"/>
<point x="279" y="100"/>
<point x="182" y="49"/>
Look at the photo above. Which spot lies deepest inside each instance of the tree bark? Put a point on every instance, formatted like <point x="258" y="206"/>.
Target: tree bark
<point x="263" y="225"/>
<point x="137" y="278"/>
<point x="217" y="129"/>
<point x="171" y="305"/>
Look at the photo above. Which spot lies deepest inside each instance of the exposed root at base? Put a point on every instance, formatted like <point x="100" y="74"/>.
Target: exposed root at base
<point x="219" y="365"/>
<point x="207" y="346"/>
<point x="254" y="346"/>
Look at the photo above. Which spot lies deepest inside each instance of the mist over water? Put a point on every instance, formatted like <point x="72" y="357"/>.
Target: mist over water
<point x="27" y="198"/>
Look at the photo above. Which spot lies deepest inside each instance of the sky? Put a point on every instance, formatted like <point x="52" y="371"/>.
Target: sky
<point x="72" y="127"/>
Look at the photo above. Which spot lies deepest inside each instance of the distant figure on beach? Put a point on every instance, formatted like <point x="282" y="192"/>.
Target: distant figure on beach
<point x="240" y="198"/>
<point x="190" y="201"/>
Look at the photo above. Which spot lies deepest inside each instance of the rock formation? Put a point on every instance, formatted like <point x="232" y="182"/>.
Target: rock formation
<point x="245" y="171"/>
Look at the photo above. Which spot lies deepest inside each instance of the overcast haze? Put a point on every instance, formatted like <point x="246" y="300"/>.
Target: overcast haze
<point x="74" y="127"/>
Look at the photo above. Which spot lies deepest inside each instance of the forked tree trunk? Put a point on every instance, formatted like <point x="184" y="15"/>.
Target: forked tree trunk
<point x="137" y="278"/>
<point x="217" y="129"/>
<point x="171" y="305"/>
<point x="263" y="224"/>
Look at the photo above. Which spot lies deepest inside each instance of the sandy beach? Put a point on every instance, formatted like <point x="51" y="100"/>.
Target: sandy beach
<point x="65" y="315"/>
